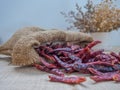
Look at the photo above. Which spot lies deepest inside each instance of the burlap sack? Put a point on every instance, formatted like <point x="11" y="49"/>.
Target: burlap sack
<point x="20" y="45"/>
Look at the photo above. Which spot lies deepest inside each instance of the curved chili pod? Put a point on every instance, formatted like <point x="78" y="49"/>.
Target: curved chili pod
<point x="68" y="80"/>
<point x="92" y="44"/>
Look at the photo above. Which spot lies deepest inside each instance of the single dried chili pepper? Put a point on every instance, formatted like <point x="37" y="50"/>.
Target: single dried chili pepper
<point x="104" y="77"/>
<point x="95" y="53"/>
<point x="68" y="80"/>
<point x="43" y="61"/>
<point x="104" y="57"/>
<point x="92" y="44"/>
<point x="52" y="71"/>
<point x="61" y="63"/>
<point x="62" y="53"/>
<point x="116" y="77"/>
<point x="67" y="67"/>
<point x="47" y="56"/>
<point x="85" y="58"/>
<point x="115" y="55"/>
<point x="100" y="66"/>
<point x="94" y="71"/>
<point x="80" y="67"/>
<point x="57" y="72"/>
<point x="100" y="63"/>
<point x="114" y="61"/>
<point x="103" y="68"/>
<point x="74" y="58"/>
<point x="69" y="70"/>
<point x="83" y="52"/>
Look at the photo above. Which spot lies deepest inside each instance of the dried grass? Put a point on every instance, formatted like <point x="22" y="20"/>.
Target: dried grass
<point x="102" y="17"/>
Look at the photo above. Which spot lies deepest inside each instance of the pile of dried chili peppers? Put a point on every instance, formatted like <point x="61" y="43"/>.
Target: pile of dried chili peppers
<point x="58" y="59"/>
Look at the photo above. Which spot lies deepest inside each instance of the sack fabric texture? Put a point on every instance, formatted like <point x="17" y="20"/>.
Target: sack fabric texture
<point x="21" y="45"/>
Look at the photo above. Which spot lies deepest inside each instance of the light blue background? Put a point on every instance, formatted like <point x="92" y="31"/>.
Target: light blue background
<point x="15" y="14"/>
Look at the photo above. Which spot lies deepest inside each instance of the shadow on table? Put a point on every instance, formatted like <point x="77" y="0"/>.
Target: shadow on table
<point x="28" y="70"/>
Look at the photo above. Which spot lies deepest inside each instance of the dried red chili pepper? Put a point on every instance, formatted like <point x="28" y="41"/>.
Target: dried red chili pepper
<point x="83" y="51"/>
<point x="68" y="80"/>
<point x="74" y="58"/>
<point x="92" y="44"/>
<point x="95" y="53"/>
<point x="100" y="63"/>
<point x="43" y="61"/>
<point x="47" y="56"/>
<point x="116" y="77"/>
<point x="67" y="67"/>
<point x="61" y="63"/>
<point x="80" y="67"/>
<point x="102" y="78"/>
<point x="104" y="68"/>
<point x="115" y="55"/>
<point x="99" y="76"/>
<point x="52" y="71"/>
<point x="62" y="49"/>
<point x="94" y="71"/>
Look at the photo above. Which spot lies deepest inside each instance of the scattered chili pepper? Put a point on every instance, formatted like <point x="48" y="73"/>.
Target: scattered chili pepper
<point x="69" y="80"/>
<point x="52" y="71"/>
<point x="99" y="76"/>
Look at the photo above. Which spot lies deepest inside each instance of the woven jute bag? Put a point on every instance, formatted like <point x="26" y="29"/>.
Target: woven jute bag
<point x="21" y="45"/>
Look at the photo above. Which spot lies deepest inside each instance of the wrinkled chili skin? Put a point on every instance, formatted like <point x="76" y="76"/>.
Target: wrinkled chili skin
<point x="61" y="63"/>
<point x="92" y="44"/>
<point x="95" y="72"/>
<point x="115" y="55"/>
<point x="74" y="58"/>
<point x="52" y="71"/>
<point x="68" y="80"/>
<point x="110" y="76"/>
<point x="116" y="77"/>
<point x="48" y="65"/>
<point x="95" y="53"/>
<point x="99" y="76"/>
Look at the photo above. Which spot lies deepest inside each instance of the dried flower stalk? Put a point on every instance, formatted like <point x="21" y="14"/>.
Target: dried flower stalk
<point x="102" y="17"/>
